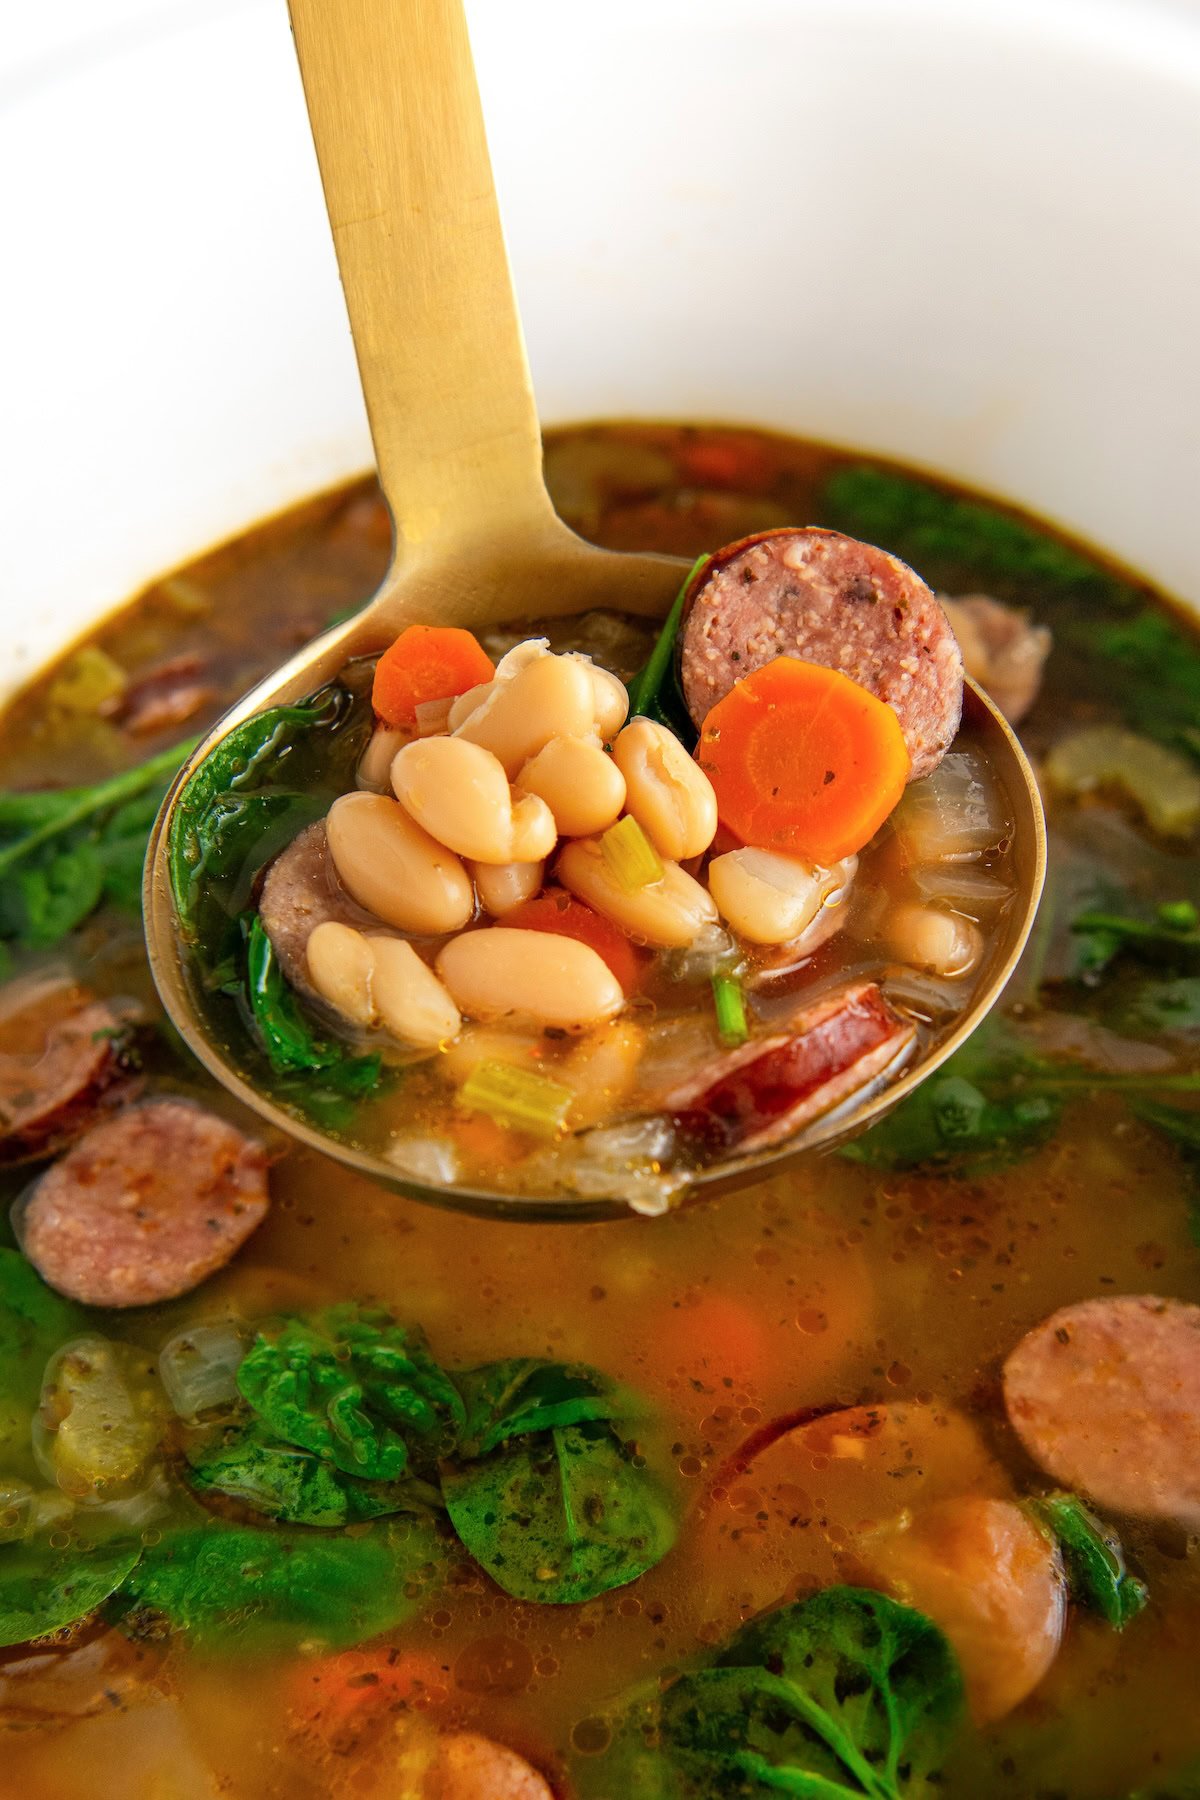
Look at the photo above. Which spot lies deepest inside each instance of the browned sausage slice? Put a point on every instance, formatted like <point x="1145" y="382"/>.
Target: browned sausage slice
<point x="827" y="599"/>
<point x="62" y="1055"/>
<point x="146" y="1206"/>
<point x="766" y="1091"/>
<point x="1105" y="1396"/>
<point x="300" y="892"/>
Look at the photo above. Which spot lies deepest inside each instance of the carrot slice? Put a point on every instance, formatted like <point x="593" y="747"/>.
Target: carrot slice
<point x="803" y="760"/>
<point x="427" y="662"/>
<point x="559" y="912"/>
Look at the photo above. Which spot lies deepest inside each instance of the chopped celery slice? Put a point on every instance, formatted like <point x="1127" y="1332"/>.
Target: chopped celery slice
<point x="630" y="855"/>
<point x="731" y="1008"/>
<point x="520" y="1098"/>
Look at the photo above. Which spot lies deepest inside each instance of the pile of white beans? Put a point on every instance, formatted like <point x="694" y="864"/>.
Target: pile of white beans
<point x="465" y="818"/>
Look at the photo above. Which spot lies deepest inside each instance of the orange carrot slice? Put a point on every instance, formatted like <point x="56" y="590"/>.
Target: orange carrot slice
<point x="427" y="662"/>
<point x="803" y="760"/>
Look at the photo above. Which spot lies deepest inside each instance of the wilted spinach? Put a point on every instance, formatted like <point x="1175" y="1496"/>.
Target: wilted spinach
<point x="64" y="851"/>
<point x="1094" y="1559"/>
<point x="34" y="1322"/>
<point x="43" y="1589"/>
<point x="321" y="1073"/>
<point x="847" y="1694"/>
<point x="354" y="1388"/>
<point x="1159" y="685"/>
<point x="655" y="691"/>
<point x="560" y="1516"/>
<point x="526" y="1394"/>
<point x="294" y="1486"/>
<point x="1171" y="937"/>
<point x="271" y="776"/>
<point x="236" y="1588"/>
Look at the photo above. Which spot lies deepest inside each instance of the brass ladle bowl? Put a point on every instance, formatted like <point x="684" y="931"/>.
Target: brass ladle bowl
<point x="400" y="141"/>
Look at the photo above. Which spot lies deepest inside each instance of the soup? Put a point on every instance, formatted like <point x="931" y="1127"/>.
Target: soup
<point x="515" y="899"/>
<point x="832" y="1437"/>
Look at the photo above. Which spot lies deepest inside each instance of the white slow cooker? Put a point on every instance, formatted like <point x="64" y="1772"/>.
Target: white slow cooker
<point x="964" y="234"/>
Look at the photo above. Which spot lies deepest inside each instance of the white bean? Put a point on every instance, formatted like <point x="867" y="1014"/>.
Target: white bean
<point x="375" y="764"/>
<point x="668" y="793"/>
<point x="410" y="1001"/>
<point x="502" y="973"/>
<point x="476" y="1044"/>
<point x="580" y="783"/>
<point x="340" y="965"/>
<point x="924" y="937"/>
<point x="503" y="886"/>
<point x="672" y="911"/>
<point x="610" y="698"/>
<point x="549" y="696"/>
<point x="458" y="792"/>
<point x="467" y="703"/>
<point x="394" y="869"/>
<point x="770" y="899"/>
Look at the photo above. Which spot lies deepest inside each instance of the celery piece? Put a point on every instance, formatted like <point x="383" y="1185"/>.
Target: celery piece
<point x="731" y="1008"/>
<point x="520" y="1098"/>
<point x="630" y="855"/>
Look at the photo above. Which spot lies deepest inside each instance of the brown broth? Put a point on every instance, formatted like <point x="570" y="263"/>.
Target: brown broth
<point x="835" y="1284"/>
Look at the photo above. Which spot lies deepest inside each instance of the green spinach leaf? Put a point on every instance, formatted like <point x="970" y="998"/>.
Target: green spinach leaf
<point x="1172" y="936"/>
<point x="34" y="1322"/>
<point x="560" y="1517"/>
<point x="289" y="1484"/>
<point x="236" y="1588"/>
<point x="43" y="1589"/>
<point x="525" y="1394"/>
<point x="1159" y="682"/>
<point x="272" y="775"/>
<point x="354" y="1388"/>
<point x="1166" y="1006"/>
<point x="1182" y="1128"/>
<point x="1094" y="1559"/>
<point x="955" y="541"/>
<point x="65" y="851"/>
<point x="847" y="1694"/>
<point x="655" y="691"/>
<point x="294" y="1048"/>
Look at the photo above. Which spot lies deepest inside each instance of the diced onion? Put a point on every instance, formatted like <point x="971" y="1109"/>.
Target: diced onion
<point x="198" y="1367"/>
<point x="429" y="1159"/>
<point x="952" y="815"/>
<point x="632" y="1162"/>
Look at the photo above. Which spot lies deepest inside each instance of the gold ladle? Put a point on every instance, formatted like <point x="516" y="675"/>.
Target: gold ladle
<point x="400" y="141"/>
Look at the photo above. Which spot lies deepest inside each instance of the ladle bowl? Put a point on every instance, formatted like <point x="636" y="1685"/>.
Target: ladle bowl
<point x="400" y="141"/>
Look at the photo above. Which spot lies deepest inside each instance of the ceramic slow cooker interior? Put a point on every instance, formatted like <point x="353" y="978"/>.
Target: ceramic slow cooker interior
<point x="950" y="234"/>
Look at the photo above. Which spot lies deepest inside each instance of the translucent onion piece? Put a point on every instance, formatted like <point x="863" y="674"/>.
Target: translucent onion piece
<point x="198" y="1367"/>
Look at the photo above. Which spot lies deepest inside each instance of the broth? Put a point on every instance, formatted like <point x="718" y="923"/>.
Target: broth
<point x="901" y="1273"/>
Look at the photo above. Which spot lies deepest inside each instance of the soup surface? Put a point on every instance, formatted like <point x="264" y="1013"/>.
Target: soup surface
<point x="245" y="1581"/>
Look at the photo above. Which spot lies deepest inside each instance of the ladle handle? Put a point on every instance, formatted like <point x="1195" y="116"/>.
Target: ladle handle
<point x="399" y="134"/>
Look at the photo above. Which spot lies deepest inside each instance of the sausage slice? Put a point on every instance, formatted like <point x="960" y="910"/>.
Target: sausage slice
<point x="766" y="1091"/>
<point x="301" y="891"/>
<point x="826" y="599"/>
<point x="62" y="1056"/>
<point x="1105" y="1397"/>
<point x="146" y="1205"/>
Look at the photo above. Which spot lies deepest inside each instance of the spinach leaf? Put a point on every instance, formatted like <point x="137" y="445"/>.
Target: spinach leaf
<point x="240" y="1589"/>
<point x="65" y="851"/>
<point x="952" y="540"/>
<point x="34" y="1321"/>
<point x="1172" y="936"/>
<point x="356" y="1389"/>
<point x="1166" y="1006"/>
<point x="293" y="1048"/>
<point x="525" y="1394"/>
<point x="1094" y="1559"/>
<point x="272" y="775"/>
<point x="1159" y="684"/>
<point x="560" y="1517"/>
<point x="289" y="1484"/>
<point x="42" y="1589"/>
<point x="847" y="1694"/>
<point x="655" y="691"/>
<point x="983" y="1110"/>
